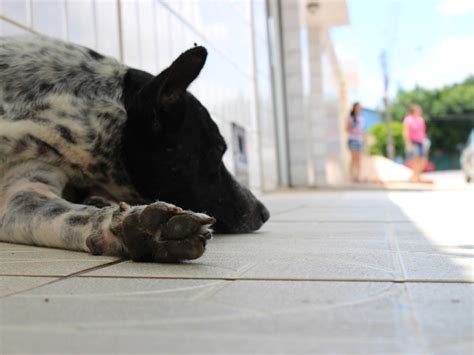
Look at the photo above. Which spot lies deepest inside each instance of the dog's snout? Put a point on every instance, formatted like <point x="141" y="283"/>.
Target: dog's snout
<point x="264" y="213"/>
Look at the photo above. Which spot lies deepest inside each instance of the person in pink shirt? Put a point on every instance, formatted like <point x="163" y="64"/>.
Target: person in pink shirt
<point x="414" y="134"/>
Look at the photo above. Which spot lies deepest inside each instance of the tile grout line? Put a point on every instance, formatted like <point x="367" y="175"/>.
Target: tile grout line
<point x="284" y="279"/>
<point x="398" y="262"/>
<point x="226" y="283"/>
<point x="381" y="221"/>
<point x="61" y="277"/>
<point x="243" y="278"/>
<point x="288" y="210"/>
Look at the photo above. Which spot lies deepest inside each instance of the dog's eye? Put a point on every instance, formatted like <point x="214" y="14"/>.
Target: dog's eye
<point x="214" y="159"/>
<point x="213" y="163"/>
<point x="221" y="151"/>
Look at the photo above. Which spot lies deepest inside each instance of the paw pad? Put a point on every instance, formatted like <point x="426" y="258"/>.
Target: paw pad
<point x="164" y="232"/>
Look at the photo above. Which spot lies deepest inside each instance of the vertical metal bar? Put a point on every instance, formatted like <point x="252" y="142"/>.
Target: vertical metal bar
<point x="94" y="24"/>
<point x="258" y="115"/>
<point x="279" y="90"/>
<point x="139" y="43"/>
<point x="119" y="23"/>
<point x="388" y="116"/>
<point x="66" y="25"/>
<point x="29" y="14"/>
<point x="155" y="35"/>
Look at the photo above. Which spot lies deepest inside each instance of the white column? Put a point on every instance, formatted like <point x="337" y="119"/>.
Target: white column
<point x="291" y="51"/>
<point x="316" y="107"/>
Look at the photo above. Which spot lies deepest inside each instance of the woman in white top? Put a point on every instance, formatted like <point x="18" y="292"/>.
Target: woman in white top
<point x="356" y="130"/>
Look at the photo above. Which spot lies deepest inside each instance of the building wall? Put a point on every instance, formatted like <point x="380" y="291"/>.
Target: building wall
<point x="334" y="115"/>
<point x="235" y="85"/>
<point x="315" y="100"/>
<point x="298" y="143"/>
<point x="264" y="94"/>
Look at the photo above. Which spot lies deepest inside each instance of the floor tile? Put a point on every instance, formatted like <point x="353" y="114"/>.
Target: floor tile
<point x="434" y="266"/>
<point x="318" y="230"/>
<point x="14" y="284"/>
<point x="445" y="314"/>
<point x="324" y="214"/>
<point x="117" y="315"/>
<point x="30" y="261"/>
<point x="276" y="305"/>
<point x="275" y="258"/>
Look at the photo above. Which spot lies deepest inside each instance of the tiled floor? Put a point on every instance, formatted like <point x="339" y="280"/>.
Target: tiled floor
<point x="332" y="272"/>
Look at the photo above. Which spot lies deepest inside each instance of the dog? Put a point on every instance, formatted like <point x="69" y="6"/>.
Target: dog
<point x="99" y="157"/>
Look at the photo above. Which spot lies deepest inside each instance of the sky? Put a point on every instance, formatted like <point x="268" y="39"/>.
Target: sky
<point x="429" y="43"/>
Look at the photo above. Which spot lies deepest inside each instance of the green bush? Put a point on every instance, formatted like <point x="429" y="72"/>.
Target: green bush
<point x="379" y="131"/>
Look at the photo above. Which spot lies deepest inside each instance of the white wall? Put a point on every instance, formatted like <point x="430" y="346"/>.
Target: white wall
<point x="315" y="100"/>
<point x="234" y="86"/>
<point x="325" y="109"/>
<point x="298" y="142"/>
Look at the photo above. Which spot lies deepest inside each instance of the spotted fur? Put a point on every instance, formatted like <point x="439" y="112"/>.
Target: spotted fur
<point x="65" y="114"/>
<point x="61" y="104"/>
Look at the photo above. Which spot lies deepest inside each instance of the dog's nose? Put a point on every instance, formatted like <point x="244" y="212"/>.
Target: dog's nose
<point x="264" y="214"/>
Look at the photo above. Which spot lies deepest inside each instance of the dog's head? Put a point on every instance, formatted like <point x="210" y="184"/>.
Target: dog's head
<point x="173" y="149"/>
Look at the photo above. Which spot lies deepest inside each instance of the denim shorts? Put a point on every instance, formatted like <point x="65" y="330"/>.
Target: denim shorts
<point x="356" y="146"/>
<point x="418" y="150"/>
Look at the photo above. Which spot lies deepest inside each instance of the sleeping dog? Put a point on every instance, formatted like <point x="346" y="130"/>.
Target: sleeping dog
<point x="99" y="157"/>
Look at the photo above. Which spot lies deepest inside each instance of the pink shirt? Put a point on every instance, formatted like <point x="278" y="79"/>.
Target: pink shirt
<point x="416" y="128"/>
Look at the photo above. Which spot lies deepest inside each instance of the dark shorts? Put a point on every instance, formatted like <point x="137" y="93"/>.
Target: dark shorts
<point x="356" y="146"/>
<point x="418" y="151"/>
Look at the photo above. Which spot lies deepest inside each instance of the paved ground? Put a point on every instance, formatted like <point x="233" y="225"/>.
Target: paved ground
<point x="450" y="179"/>
<point x="333" y="272"/>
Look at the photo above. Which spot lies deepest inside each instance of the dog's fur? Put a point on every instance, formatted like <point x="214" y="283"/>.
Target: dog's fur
<point x="80" y="132"/>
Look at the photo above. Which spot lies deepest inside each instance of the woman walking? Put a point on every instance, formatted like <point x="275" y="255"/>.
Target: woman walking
<point x="356" y="130"/>
<point x="414" y="134"/>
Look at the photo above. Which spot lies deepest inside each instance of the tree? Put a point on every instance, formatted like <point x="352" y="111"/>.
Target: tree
<point x="379" y="131"/>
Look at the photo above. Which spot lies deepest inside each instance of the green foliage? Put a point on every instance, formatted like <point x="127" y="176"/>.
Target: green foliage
<point x="449" y="112"/>
<point x="379" y="131"/>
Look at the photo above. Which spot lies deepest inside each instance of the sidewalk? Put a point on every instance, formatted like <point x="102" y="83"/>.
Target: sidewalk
<point x="331" y="272"/>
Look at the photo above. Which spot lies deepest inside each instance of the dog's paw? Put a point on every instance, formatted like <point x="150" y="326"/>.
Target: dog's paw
<point x="162" y="232"/>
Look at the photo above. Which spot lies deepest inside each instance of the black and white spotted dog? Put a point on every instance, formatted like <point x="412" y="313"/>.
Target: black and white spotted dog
<point x="88" y="145"/>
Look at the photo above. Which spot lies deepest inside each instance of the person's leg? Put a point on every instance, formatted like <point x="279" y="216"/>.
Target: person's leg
<point x="352" y="166"/>
<point x="355" y="165"/>
<point x="415" y="163"/>
<point x="409" y="161"/>
<point x="357" y="157"/>
<point x="423" y="162"/>
<point x="417" y="168"/>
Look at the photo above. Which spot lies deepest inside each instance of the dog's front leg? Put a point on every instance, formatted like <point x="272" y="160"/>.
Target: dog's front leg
<point x="32" y="211"/>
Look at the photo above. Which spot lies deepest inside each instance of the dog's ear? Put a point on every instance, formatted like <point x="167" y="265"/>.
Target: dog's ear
<point x="168" y="86"/>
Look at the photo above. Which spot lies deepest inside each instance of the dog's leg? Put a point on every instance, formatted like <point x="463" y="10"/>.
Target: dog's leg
<point x="97" y="201"/>
<point x="33" y="212"/>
